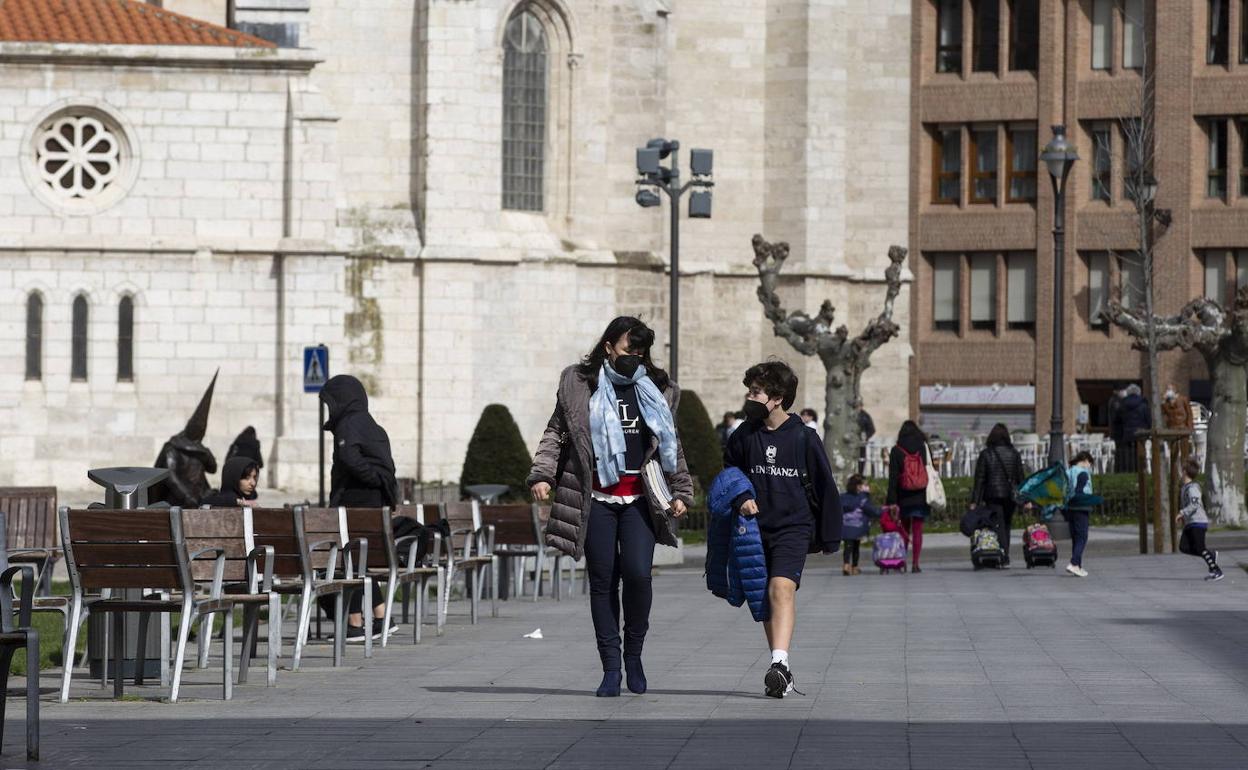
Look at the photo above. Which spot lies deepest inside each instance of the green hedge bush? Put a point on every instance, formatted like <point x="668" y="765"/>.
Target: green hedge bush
<point x="497" y="455"/>
<point x="703" y="453"/>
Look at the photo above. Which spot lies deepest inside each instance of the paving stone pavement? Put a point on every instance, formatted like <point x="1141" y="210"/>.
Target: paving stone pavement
<point x="1141" y="665"/>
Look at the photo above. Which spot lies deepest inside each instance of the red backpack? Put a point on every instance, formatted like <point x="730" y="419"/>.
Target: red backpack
<point x="913" y="471"/>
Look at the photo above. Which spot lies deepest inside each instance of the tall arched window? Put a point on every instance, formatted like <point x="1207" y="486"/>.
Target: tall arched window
<point x="524" y="112"/>
<point x="78" y="356"/>
<point x="125" y="340"/>
<point x="34" y="337"/>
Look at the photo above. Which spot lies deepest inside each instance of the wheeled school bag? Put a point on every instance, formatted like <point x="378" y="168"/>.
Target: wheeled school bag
<point x="1039" y="550"/>
<point x="889" y="552"/>
<point x="986" y="549"/>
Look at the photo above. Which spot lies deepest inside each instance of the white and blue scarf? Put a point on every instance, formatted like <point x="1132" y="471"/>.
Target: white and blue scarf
<point x="607" y="433"/>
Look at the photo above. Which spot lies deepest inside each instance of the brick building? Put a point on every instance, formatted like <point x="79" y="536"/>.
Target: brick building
<point x="989" y="78"/>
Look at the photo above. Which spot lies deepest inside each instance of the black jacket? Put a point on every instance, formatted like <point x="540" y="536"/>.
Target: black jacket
<point x="774" y="462"/>
<point x="363" y="468"/>
<point x="998" y="474"/>
<point x="1133" y="415"/>
<point x="905" y="498"/>
<point x="232" y="473"/>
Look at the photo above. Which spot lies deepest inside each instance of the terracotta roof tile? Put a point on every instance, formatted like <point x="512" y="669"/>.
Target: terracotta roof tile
<point x="119" y="22"/>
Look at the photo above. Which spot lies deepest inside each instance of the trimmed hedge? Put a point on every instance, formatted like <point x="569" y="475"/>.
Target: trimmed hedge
<point x="697" y="434"/>
<point x="497" y="455"/>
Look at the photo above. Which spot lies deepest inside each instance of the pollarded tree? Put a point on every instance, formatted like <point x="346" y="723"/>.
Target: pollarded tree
<point x="844" y="359"/>
<point x="1221" y="336"/>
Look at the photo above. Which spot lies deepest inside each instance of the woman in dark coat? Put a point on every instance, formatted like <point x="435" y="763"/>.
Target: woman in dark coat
<point x="998" y="474"/>
<point x="912" y="502"/>
<point x="614" y="416"/>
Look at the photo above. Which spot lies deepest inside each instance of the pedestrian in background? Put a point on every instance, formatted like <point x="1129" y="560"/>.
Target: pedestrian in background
<point x="998" y="474"/>
<point x="1078" y="516"/>
<point x="1195" y="521"/>
<point x="907" y="485"/>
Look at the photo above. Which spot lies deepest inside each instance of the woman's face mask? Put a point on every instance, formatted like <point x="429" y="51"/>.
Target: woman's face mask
<point x="626" y="365"/>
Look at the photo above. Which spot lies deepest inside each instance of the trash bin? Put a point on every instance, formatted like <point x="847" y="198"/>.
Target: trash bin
<point x="126" y="489"/>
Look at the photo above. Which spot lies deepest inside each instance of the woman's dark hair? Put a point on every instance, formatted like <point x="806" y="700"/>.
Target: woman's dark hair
<point x="774" y="378"/>
<point x="910" y="429"/>
<point x="640" y="340"/>
<point x="999" y="436"/>
<point x="1082" y="457"/>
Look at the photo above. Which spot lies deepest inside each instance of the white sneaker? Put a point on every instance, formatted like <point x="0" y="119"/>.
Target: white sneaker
<point x="1076" y="571"/>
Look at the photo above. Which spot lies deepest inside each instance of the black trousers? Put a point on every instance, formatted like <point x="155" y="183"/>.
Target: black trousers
<point x="851" y="548"/>
<point x="1192" y="541"/>
<point x="619" y="548"/>
<point x="355" y="601"/>
<point x="1003" y="522"/>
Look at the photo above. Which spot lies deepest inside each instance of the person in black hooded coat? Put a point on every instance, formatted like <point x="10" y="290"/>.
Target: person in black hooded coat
<point x="239" y="477"/>
<point x="362" y="474"/>
<point x="247" y="445"/>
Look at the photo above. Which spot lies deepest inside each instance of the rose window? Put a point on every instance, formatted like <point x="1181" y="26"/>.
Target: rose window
<point x="78" y="156"/>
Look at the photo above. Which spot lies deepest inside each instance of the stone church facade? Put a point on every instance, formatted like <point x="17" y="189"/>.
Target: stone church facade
<point x="221" y="188"/>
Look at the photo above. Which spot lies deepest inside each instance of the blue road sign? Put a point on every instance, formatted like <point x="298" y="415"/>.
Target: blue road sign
<point x="315" y="368"/>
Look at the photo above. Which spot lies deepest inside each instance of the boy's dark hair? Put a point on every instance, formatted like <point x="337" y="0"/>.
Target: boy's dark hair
<point x="1081" y="458"/>
<point x="808" y="411"/>
<point x="1191" y="466"/>
<point x="776" y="379"/>
<point x="854" y="483"/>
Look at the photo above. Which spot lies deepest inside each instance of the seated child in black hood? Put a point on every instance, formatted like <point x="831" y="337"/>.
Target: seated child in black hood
<point x="239" y="478"/>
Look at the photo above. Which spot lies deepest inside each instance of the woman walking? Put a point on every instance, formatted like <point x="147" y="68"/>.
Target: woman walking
<point x="907" y="484"/>
<point x="998" y="474"/>
<point x="614" y="416"/>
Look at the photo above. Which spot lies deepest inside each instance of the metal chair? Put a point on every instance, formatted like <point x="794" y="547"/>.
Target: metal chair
<point x="471" y="549"/>
<point x="17" y="634"/>
<point x="379" y="558"/>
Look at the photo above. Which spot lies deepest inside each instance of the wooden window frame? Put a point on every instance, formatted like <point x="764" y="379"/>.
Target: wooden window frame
<point x="992" y="45"/>
<point x="975" y="175"/>
<point x="939" y="176"/>
<point x="955" y="324"/>
<point x="1017" y="43"/>
<point x="1111" y="44"/>
<point x="1104" y="177"/>
<point x="949" y="57"/>
<point x="1213" y="172"/>
<point x="1011" y="173"/>
<point x="1218" y="42"/>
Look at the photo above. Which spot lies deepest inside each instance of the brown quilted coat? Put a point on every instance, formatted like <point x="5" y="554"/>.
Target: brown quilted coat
<point x="571" y="497"/>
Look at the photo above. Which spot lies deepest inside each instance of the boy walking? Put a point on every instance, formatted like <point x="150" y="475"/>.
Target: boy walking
<point x="796" y="501"/>
<point x="1195" y="521"/>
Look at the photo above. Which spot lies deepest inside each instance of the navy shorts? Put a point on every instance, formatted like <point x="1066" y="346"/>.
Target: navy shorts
<point x="785" y="552"/>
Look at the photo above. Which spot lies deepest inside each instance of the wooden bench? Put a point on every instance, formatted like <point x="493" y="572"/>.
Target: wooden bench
<point x="145" y="549"/>
<point x="517" y="537"/>
<point x="293" y="571"/>
<point x="326" y="528"/>
<point x="31" y="517"/>
<point x="246" y="576"/>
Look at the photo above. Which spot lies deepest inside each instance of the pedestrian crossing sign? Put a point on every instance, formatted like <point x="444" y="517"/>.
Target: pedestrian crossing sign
<point x="315" y="368"/>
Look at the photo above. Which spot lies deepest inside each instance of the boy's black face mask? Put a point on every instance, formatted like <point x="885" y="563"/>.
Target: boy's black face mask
<point x="755" y="411"/>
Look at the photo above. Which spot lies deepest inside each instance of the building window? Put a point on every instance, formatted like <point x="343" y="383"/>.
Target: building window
<point x="1102" y="161"/>
<point x="1098" y="289"/>
<point x="524" y="113"/>
<point x="1219" y="32"/>
<point x="78" y="357"/>
<point x="1243" y="31"/>
<point x="986" y="35"/>
<point x="1243" y="158"/>
<point x="1021" y="158"/>
<point x="1025" y="35"/>
<point x="1133" y="22"/>
<point x="983" y="291"/>
<point x="1020" y="293"/>
<point x="34" y="336"/>
<point x="1135" y="151"/>
<point x="78" y="155"/>
<point x="1131" y="275"/>
<point x="945" y="282"/>
<point x="1102" y="33"/>
<point x="949" y="36"/>
<point x="125" y="340"/>
<point x="947" y="165"/>
<point x="1241" y="269"/>
<point x="1215" y="128"/>
<point x="1215" y="276"/>
<point x="984" y="156"/>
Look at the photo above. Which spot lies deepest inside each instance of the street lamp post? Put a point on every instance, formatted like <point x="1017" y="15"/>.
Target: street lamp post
<point x="1059" y="156"/>
<point x="651" y="175"/>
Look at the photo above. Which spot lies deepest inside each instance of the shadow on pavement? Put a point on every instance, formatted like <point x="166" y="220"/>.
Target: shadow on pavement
<point x="590" y="693"/>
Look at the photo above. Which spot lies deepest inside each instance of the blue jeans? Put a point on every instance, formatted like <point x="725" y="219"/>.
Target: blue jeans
<point x="619" y="546"/>
<point x="1078" y="521"/>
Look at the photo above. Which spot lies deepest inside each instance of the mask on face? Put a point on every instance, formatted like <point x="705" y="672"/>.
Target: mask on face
<point x="626" y="366"/>
<point x="755" y="411"/>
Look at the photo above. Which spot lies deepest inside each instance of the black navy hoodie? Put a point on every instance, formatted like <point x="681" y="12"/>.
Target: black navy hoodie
<point x="773" y="462"/>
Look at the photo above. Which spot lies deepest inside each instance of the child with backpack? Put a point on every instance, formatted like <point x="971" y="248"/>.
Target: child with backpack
<point x="795" y="501"/>
<point x="856" y="514"/>
<point x="907" y="484"/>
<point x="1195" y="521"/>
<point x="1080" y="479"/>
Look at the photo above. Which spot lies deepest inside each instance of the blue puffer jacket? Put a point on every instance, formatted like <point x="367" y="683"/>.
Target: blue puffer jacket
<point x="735" y="567"/>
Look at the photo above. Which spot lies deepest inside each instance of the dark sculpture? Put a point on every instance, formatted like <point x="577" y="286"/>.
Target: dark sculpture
<point x="188" y="460"/>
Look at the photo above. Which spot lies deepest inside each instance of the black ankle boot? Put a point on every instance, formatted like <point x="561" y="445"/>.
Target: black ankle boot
<point x="610" y="687"/>
<point x="636" y="674"/>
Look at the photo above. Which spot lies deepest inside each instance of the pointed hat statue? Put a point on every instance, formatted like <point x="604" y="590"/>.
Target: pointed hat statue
<point x="197" y="426"/>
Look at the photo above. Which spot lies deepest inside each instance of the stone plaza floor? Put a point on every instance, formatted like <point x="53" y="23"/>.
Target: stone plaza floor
<point x="1141" y="665"/>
